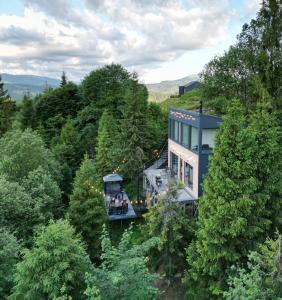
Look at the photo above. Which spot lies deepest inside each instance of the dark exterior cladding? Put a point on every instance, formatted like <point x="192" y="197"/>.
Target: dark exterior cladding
<point x="200" y="133"/>
<point x="195" y="119"/>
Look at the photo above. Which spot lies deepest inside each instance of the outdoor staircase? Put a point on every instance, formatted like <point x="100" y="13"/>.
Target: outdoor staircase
<point x="161" y="162"/>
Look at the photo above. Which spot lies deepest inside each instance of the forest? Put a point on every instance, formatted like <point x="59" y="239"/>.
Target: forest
<point x="55" y="240"/>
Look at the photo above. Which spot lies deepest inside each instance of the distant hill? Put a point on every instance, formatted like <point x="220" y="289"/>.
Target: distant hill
<point x="18" y="85"/>
<point x="164" y="89"/>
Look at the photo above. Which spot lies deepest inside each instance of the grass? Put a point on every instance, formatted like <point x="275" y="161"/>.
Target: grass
<point x="190" y="101"/>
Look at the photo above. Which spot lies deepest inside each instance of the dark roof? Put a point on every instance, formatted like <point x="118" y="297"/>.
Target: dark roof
<point x="197" y="83"/>
<point x="112" y="177"/>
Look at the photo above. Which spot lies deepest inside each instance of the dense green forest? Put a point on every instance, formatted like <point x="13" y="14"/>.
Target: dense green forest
<point x="55" y="240"/>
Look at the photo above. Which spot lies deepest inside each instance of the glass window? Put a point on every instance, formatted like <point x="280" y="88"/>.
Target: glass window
<point x="208" y="136"/>
<point x="174" y="164"/>
<point x="176" y="131"/>
<point x="188" y="175"/>
<point x="185" y="135"/>
<point x="194" y="138"/>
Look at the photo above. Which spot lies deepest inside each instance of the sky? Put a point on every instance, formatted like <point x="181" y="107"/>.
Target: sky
<point x="158" y="39"/>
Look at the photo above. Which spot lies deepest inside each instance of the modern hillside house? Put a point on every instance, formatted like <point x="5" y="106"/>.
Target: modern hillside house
<point x="190" y="142"/>
<point x="182" y="89"/>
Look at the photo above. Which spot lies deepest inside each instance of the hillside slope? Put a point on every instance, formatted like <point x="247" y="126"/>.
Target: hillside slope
<point x="18" y="85"/>
<point x="164" y="89"/>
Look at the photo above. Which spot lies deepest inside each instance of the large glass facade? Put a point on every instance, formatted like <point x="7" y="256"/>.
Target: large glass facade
<point x="174" y="164"/>
<point x="188" y="180"/>
<point x="184" y="134"/>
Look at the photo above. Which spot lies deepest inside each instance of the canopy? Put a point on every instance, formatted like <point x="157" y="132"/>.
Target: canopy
<point x="112" y="178"/>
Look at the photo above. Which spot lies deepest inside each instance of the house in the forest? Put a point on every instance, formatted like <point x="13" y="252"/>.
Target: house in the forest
<point x="182" y="89"/>
<point x="190" y="143"/>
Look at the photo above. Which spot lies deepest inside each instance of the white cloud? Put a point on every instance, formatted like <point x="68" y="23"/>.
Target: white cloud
<point x="253" y="6"/>
<point x="140" y="34"/>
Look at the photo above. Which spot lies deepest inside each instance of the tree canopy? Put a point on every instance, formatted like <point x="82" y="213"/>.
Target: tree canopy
<point x="56" y="264"/>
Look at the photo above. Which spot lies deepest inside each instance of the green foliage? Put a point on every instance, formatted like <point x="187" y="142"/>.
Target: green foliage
<point x="63" y="79"/>
<point x="105" y="148"/>
<point x="45" y="193"/>
<point x="87" y="124"/>
<point x="123" y="273"/>
<point x="23" y="152"/>
<point x="262" y="278"/>
<point x="9" y="256"/>
<point x="67" y="146"/>
<point x="256" y="55"/>
<point x="24" y="207"/>
<point x="157" y="127"/>
<point x="132" y="141"/>
<point x="236" y="210"/>
<point x="56" y="261"/>
<point x="64" y="101"/>
<point x="7" y="109"/>
<point x="27" y="113"/>
<point x="18" y="211"/>
<point x="168" y="220"/>
<point x="87" y="208"/>
<point x="190" y="100"/>
<point x="106" y="88"/>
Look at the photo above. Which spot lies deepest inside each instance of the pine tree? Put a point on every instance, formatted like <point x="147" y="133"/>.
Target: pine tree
<point x="133" y="136"/>
<point x="7" y="109"/>
<point x="67" y="148"/>
<point x="27" y="113"/>
<point x="63" y="79"/>
<point x="105" y="161"/>
<point x="233" y="212"/>
<point x="56" y="263"/>
<point x="87" y="208"/>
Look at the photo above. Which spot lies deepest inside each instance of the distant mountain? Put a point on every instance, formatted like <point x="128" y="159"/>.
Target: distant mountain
<point x="162" y="90"/>
<point x="18" y="85"/>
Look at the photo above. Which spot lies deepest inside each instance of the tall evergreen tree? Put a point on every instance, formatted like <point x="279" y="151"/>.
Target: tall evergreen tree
<point x="27" y="113"/>
<point x="233" y="212"/>
<point x="63" y="79"/>
<point x="133" y="135"/>
<point x="67" y="147"/>
<point x="105" y="147"/>
<point x="7" y="109"/>
<point x="57" y="262"/>
<point x="87" y="208"/>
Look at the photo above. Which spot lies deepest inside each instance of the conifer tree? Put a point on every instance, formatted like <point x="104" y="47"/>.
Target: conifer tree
<point x="63" y="79"/>
<point x="233" y="212"/>
<point x="105" y="162"/>
<point x="7" y="109"/>
<point x="56" y="263"/>
<point x="27" y="113"/>
<point x="67" y="148"/>
<point x="133" y="136"/>
<point x="87" y="208"/>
